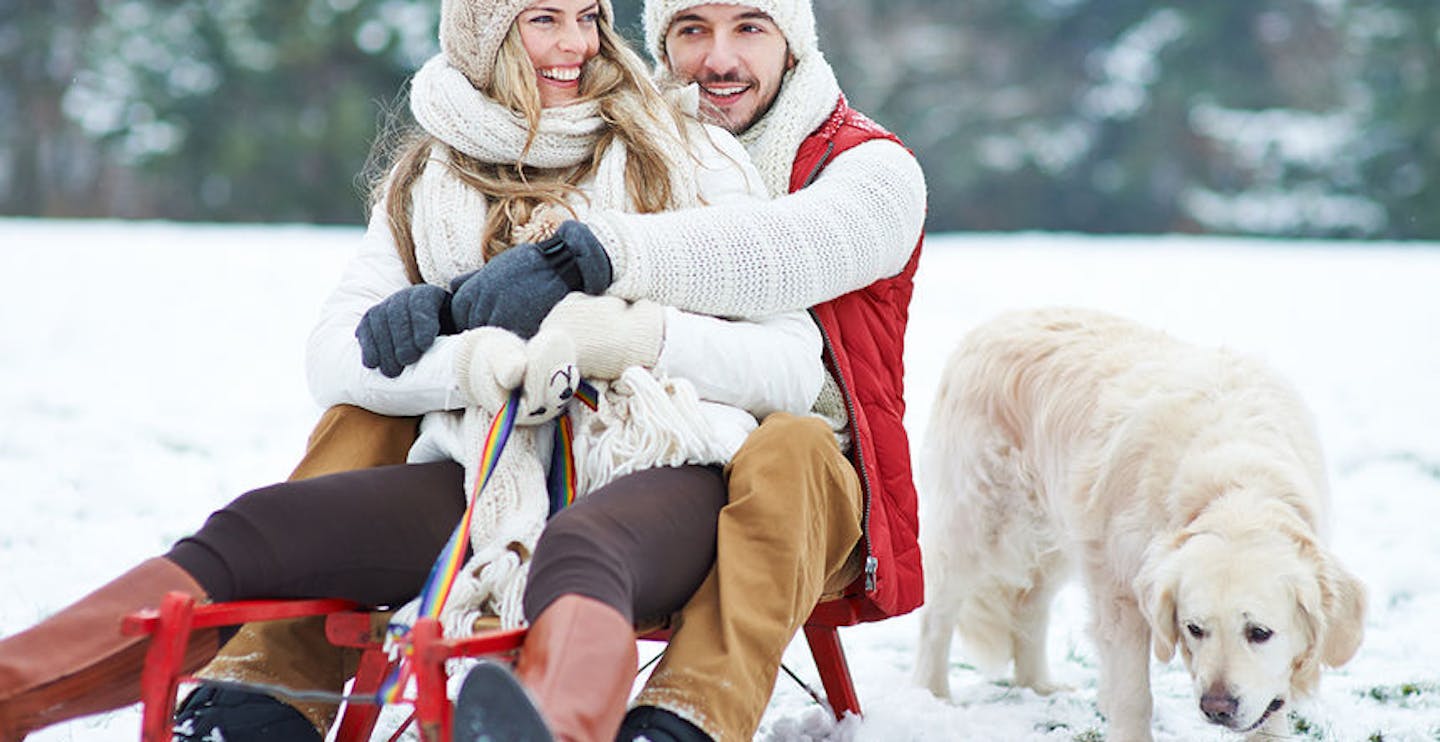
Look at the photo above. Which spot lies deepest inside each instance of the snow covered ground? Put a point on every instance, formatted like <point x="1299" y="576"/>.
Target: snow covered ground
<point x="149" y="372"/>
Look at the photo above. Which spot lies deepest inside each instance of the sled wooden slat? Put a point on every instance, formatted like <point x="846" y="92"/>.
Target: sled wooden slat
<point x="205" y="616"/>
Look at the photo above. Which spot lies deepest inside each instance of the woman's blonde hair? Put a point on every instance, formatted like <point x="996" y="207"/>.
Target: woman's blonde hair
<point x="630" y="105"/>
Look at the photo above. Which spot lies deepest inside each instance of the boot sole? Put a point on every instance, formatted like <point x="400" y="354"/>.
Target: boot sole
<point x="494" y="707"/>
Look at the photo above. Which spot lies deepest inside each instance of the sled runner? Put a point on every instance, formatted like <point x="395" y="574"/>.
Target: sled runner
<point x="349" y="625"/>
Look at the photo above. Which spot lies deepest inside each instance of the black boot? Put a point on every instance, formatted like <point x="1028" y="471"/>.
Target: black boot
<point x="214" y="713"/>
<point x="658" y="725"/>
<point x="494" y="706"/>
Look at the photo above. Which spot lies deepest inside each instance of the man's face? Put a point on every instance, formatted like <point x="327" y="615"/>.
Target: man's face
<point x="738" y="56"/>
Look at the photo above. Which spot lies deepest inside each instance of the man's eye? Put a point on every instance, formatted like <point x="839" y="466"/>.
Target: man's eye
<point x="1195" y="630"/>
<point x="1258" y="634"/>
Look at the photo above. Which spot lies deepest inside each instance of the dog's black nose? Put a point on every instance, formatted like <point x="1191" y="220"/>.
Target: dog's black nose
<point x="1218" y="706"/>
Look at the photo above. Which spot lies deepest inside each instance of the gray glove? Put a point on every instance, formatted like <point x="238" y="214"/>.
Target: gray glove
<point x="518" y="287"/>
<point x="396" y="332"/>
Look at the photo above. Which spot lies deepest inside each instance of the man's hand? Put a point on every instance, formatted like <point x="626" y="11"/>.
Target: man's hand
<point x="610" y="334"/>
<point x="518" y="287"/>
<point x="396" y="332"/>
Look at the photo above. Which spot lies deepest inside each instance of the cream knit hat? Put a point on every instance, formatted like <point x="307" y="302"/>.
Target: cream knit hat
<point x="796" y="19"/>
<point x="471" y="32"/>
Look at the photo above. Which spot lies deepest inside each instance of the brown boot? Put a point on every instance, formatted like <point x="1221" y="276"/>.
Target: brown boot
<point x="578" y="662"/>
<point x="77" y="662"/>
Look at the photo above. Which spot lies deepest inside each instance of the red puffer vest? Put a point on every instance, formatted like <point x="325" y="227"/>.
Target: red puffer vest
<point x="864" y="348"/>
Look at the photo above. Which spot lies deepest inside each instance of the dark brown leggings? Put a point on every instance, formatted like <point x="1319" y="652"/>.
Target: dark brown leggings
<point x="641" y="544"/>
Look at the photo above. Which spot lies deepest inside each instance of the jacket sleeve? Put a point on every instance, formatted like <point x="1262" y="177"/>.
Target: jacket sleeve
<point x="857" y="223"/>
<point x="764" y="365"/>
<point x="770" y="364"/>
<point x="332" y="359"/>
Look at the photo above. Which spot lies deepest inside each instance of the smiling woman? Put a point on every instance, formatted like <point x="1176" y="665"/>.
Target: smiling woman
<point x="559" y="37"/>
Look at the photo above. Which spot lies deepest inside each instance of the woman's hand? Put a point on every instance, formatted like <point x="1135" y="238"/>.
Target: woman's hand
<point x="396" y="332"/>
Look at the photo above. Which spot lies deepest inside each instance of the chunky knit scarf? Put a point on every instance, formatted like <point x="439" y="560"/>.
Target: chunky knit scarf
<point x="808" y="96"/>
<point x="642" y="421"/>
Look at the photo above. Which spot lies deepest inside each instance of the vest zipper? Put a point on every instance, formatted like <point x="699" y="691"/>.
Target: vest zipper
<point x="872" y="564"/>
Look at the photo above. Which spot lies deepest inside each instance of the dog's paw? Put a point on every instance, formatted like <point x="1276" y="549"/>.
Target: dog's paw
<point x="1050" y="688"/>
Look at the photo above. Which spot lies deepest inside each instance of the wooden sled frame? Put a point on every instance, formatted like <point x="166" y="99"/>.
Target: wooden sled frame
<point x="347" y="624"/>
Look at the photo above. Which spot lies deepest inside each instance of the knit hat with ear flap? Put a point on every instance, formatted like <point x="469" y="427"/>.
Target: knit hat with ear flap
<point x="471" y="32"/>
<point x="796" y="19"/>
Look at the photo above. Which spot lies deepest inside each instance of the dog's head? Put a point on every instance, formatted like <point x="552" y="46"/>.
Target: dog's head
<point x="1255" y="611"/>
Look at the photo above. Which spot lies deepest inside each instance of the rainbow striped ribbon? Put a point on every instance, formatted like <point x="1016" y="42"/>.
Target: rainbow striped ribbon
<point x="447" y="567"/>
<point x="562" y="478"/>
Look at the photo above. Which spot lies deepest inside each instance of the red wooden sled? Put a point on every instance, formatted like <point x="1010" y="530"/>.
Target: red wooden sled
<point x="348" y="625"/>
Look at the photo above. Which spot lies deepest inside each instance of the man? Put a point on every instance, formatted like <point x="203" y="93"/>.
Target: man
<point x="806" y="518"/>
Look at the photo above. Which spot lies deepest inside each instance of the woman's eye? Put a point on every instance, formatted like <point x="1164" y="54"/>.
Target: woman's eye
<point x="1258" y="634"/>
<point x="1195" y="630"/>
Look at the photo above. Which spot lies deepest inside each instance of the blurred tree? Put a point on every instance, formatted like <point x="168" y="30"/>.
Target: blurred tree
<point x="1103" y="115"/>
<point x="1396" y="47"/>
<point x="243" y="109"/>
<point x="46" y="166"/>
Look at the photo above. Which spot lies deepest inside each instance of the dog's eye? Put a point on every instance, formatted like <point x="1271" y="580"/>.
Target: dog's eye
<point x="1195" y="630"/>
<point x="1258" y="634"/>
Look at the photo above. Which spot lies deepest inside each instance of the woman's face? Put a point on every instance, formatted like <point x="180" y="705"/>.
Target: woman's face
<point x="560" y="36"/>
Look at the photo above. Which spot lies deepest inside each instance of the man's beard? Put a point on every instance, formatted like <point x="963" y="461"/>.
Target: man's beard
<point x="711" y="113"/>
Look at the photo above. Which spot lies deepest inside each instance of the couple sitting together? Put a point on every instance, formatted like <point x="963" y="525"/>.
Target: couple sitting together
<point x="745" y="458"/>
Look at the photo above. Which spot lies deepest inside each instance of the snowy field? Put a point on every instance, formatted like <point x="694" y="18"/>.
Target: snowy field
<point x="150" y="372"/>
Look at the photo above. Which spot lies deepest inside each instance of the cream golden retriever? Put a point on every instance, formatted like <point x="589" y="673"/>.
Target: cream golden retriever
<point x="1187" y="486"/>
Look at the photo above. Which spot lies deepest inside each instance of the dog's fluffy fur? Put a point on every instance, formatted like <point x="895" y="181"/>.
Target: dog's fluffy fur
<point x="1187" y="486"/>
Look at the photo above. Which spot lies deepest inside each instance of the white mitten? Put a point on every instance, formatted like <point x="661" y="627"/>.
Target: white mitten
<point x="490" y="365"/>
<point x="550" y="377"/>
<point x="610" y="334"/>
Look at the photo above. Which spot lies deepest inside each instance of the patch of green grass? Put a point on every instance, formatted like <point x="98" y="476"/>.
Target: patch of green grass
<point x="1405" y="695"/>
<point x="1303" y="727"/>
<point x="1090" y="735"/>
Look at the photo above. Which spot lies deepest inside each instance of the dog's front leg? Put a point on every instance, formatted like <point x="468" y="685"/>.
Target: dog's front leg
<point x="1123" y="640"/>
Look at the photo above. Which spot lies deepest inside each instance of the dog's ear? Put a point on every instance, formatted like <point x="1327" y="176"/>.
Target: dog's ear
<point x="1333" y="611"/>
<point x="1343" y="598"/>
<point x="1154" y="590"/>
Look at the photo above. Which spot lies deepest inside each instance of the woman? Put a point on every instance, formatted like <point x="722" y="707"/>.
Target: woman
<point x="532" y="113"/>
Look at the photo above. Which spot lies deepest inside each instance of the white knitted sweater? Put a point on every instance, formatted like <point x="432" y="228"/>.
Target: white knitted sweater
<point x="856" y="224"/>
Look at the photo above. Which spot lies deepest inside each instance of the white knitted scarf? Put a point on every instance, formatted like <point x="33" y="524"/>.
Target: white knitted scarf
<point x="808" y="95"/>
<point x="642" y="422"/>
